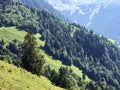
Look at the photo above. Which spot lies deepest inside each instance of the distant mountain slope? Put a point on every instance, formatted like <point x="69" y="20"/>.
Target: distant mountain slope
<point x="38" y="4"/>
<point x="101" y="16"/>
<point x="13" y="78"/>
<point x="107" y="22"/>
<point x="42" y="4"/>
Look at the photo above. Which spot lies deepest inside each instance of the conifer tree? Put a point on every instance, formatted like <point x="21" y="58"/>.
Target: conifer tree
<point x="32" y="60"/>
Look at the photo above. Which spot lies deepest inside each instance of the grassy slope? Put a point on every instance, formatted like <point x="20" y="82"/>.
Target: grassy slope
<point x="13" y="78"/>
<point x="11" y="33"/>
<point x="113" y="42"/>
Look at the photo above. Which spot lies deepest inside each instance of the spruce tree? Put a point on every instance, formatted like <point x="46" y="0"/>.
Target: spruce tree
<point x="32" y="60"/>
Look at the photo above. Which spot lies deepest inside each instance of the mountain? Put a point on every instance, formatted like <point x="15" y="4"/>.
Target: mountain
<point x="72" y="44"/>
<point x="37" y="4"/>
<point x="8" y="34"/>
<point x="100" y="16"/>
<point x="41" y="4"/>
<point x="11" y="38"/>
<point x="14" y="78"/>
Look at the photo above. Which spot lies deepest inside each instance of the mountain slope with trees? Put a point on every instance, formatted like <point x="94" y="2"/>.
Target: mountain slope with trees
<point x="41" y="4"/>
<point x="96" y="56"/>
<point x="52" y="68"/>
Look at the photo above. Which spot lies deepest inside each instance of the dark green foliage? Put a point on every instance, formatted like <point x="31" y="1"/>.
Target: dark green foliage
<point x="5" y="6"/>
<point x="63" y="78"/>
<point x="51" y="74"/>
<point x="6" y="53"/>
<point x="32" y="60"/>
<point x="95" y="55"/>
<point x="1" y="49"/>
<point x="92" y="86"/>
<point x="67" y="79"/>
<point x="13" y="48"/>
<point x="84" y="76"/>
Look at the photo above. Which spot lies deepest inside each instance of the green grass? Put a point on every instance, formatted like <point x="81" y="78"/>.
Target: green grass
<point x="11" y="33"/>
<point x="14" y="78"/>
<point x="112" y="41"/>
<point x="40" y="43"/>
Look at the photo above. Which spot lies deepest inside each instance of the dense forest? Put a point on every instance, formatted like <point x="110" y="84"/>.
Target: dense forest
<point x="73" y="44"/>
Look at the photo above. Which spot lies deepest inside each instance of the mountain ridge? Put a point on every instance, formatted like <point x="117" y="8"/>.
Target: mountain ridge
<point x="42" y="5"/>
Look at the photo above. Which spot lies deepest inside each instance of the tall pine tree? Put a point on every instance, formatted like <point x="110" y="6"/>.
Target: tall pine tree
<point x="32" y="60"/>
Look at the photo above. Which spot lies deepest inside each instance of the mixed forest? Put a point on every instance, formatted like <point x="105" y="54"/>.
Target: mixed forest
<point x="72" y="44"/>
